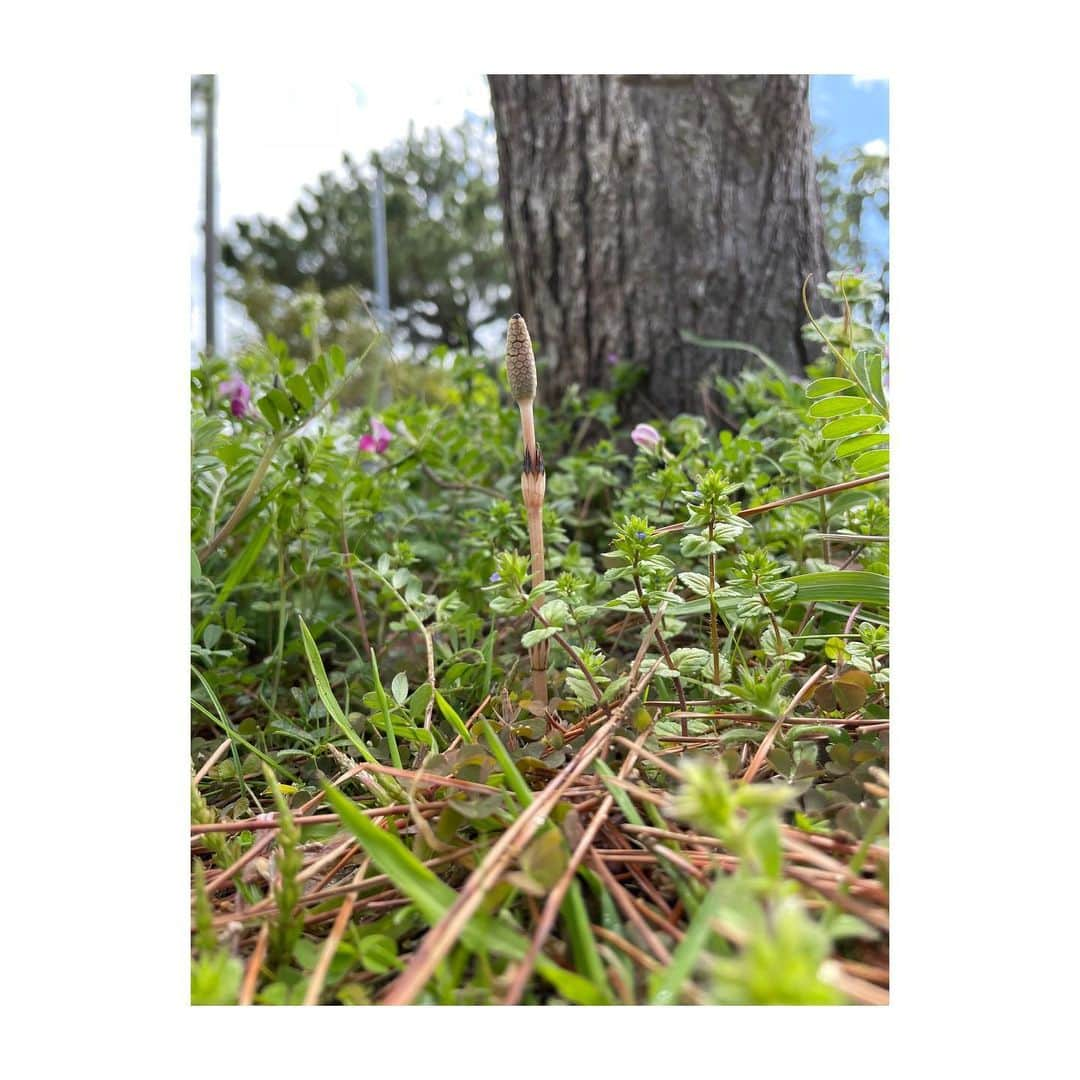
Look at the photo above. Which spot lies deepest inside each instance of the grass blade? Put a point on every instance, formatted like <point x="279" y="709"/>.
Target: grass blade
<point x="434" y="899"/>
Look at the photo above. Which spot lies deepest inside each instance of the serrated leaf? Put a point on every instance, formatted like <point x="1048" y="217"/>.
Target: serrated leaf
<point x="697" y="583"/>
<point x="555" y="611"/>
<point x="694" y="545"/>
<point x="538" y="634"/>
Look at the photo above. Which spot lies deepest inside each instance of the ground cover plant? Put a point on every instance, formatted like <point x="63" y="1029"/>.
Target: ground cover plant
<point x="656" y="771"/>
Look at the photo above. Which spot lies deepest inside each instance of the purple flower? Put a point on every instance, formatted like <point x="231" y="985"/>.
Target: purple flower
<point x="495" y="577"/>
<point x="612" y="358"/>
<point x="377" y="441"/>
<point x="239" y="394"/>
<point x="640" y="535"/>
<point x="645" y="436"/>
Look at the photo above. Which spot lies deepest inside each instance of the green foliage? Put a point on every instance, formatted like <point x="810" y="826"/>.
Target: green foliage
<point x="371" y="608"/>
<point x="447" y="266"/>
<point x="852" y="402"/>
<point x="855" y="189"/>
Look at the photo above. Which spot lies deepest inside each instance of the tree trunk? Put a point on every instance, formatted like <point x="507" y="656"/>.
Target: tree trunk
<point x="637" y="207"/>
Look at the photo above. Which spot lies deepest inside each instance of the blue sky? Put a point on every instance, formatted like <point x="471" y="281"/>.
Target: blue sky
<point x="848" y="110"/>
<point x="276" y="134"/>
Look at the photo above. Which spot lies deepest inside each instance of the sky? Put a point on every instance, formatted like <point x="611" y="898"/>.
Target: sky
<point x="277" y="134"/>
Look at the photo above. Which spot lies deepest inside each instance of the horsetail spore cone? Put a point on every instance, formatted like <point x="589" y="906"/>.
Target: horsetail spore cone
<point x="521" y="375"/>
<point x="520" y="362"/>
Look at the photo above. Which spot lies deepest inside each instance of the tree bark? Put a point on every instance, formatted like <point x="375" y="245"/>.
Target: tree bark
<point x="637" y="207"/>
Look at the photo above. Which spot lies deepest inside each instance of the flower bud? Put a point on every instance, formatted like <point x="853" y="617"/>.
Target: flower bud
<point x="645" y="436"/>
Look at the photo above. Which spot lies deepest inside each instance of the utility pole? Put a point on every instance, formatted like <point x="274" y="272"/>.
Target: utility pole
<point x="382" y="272"/>
<point x="210" y="240"/>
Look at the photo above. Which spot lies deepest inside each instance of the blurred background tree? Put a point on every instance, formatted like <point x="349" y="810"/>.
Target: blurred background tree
<point x="855" y="191"/>
<point x="448" y="271"/>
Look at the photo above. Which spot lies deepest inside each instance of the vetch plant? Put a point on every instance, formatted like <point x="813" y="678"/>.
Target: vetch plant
<point x="239" y="394"/>
<point x="377" y="441"/>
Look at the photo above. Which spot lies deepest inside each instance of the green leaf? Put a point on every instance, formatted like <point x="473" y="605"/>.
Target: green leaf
<point x="694" y="545"/>
<point x="848" y="425"/>
<point x="555" y="611"/>
<point x="377" y="953"/>
<point x="384" y="707"/>
<point x="298" y="387"/>
<point x="871" y="462"/>
<point x="837" y="406"/>
<point x="337" y="358"/>
<point x="451" y="716"/>
<point x="316" y="374"/>
<point x="269" y="410"/>
<point x="860" y="443"/>
<point x="540" y="633"/>
<point x="823" y="387"/>
<point x="400" y="687"/>
<point x="506" y="763"/>
<point x="877" y="385"/>
<point x="546" y="857"/>
<point x="282" y="403"/>
<point x="846" y="586"/>
<point x="333" y="709"/>
<point x="237" y="572"/>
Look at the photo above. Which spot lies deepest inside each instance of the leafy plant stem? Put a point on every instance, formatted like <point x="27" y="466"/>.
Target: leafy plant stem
<point x="714" y="632"/>
<point x="664" y="649"/>
<point x="247" y="498"/>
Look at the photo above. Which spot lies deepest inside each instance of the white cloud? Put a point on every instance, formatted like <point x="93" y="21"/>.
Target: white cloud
<point x="876" y="148"/>
<point x="868" y="82"/>
<point x="276" y="135"/>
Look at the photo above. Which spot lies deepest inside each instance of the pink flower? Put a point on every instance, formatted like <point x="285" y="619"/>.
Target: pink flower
<point x="377" y="441"/>
<point x="239" y="394"/>
<point x="645" y="436"/>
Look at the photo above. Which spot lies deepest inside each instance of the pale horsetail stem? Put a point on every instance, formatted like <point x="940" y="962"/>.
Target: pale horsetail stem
<point x="521" y="375"/>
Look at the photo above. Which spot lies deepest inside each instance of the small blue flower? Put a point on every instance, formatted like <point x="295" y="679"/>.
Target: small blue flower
<point x="495" y="577"/>
<point x="640" y="535"/>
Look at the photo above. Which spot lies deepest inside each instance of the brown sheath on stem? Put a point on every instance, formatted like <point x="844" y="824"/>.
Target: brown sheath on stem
<point x="521" y="375"/>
